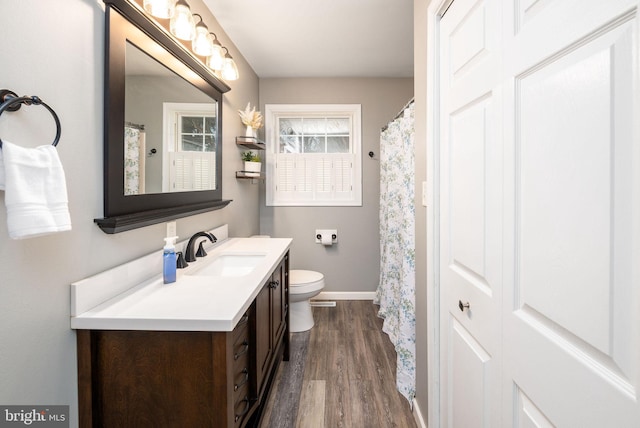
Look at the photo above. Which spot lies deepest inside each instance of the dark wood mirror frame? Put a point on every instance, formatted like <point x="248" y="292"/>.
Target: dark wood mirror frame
<point x="127" y="22"/>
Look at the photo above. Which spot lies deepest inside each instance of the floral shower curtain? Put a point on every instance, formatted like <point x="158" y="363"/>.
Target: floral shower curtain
<point x="134" y="160"/>
<point x="396" y="290"/>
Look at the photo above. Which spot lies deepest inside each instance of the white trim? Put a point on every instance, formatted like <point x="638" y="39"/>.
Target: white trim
<point x="417" y="415"/>
<point x="346" y="295"/>
<point x="435" y="12"/>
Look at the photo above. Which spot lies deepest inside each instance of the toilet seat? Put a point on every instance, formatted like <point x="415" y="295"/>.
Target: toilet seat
<point x="305" y="281"/>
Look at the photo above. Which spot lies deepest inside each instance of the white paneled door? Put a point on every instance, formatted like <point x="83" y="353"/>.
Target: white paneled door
<point x="538" y="245"/>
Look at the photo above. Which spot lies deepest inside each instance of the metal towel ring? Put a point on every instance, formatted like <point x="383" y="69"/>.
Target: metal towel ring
<point x="13" y="102"/>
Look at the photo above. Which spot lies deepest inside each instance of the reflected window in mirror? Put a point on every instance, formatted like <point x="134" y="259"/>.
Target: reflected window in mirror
<point x="191" y="147"/>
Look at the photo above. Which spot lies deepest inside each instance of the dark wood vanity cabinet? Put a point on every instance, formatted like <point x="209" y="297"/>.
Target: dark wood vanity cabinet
<point x="271" y="323"/>
<point x="185" y="378"/>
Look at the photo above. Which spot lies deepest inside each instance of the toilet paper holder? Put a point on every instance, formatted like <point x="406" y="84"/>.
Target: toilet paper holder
<point x="326" y="232"/>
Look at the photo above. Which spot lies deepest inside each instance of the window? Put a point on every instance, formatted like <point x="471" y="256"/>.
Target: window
<point x="190" y="146"/>
<point x="197" y="133"/>
<point x="313" y="155"/>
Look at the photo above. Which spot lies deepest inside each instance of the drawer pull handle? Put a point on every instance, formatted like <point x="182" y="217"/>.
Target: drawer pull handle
<point x="243" y="320"/>
<point x="245" y="410"/>
<point x="274" y="284"/>
<point x="237" y="355"/>
<point x="463" y="306"/>
<point x="246" y="378"/>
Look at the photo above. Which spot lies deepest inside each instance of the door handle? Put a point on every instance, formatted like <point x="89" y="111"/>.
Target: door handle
<point x="462" y="306"/>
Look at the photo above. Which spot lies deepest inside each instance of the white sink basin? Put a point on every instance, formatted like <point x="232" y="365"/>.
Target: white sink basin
<point x="230" y="265"/>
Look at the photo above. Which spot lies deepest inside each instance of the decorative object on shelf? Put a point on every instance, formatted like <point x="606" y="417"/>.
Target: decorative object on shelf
<point x="252" y="164"/>
<point x="205" y="45"/>
<point x="252" y="119"/>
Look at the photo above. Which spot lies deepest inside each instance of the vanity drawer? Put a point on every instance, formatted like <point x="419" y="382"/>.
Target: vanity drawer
<point x="241" y="344"/>
<point x="242" y="406"/>
<point x="241" y="368"/>
<point x="241" y="327"/>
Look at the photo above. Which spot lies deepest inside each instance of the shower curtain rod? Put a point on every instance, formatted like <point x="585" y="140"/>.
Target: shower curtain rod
<point x="134" y="125"/>
<point x="384" y="128"/>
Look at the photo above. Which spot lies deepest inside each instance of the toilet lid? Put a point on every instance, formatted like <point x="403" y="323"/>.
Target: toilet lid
<point x="302" y="277"/>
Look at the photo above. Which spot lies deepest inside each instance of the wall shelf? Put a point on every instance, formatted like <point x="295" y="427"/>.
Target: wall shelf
<point x="247" y="175"/>
<point x="250" y="143"/>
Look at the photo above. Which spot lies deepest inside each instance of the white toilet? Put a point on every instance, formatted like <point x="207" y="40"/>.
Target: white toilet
<point x="303" y="285"/>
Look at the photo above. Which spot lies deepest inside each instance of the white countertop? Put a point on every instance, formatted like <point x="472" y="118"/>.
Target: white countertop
<point x="192" y="303"/>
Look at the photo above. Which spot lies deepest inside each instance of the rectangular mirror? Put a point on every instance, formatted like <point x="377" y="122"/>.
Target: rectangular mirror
<point x="163" y="125"/>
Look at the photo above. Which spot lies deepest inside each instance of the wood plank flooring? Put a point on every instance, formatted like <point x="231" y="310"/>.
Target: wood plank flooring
<point x="341" y="374"/>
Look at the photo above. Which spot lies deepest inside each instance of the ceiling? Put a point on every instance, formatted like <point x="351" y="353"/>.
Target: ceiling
<point x="328" y="38"/>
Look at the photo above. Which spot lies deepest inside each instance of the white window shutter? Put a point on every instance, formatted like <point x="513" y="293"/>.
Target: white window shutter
<point x="323" y="178"/>
<point x="304" y="177"/>
<point x="285" y="182"/>
<point x="343" y="177"/>
<point x="192" y="171"/>
<point x="179" y="177"/>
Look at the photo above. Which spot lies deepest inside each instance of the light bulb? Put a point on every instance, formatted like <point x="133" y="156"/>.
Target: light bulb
<point x="215" y="61"/>
<point x="229" y="68"/>
<point x="181" y="24"/>
<point x="201" y="44"/>
<point x="160" y="8"/>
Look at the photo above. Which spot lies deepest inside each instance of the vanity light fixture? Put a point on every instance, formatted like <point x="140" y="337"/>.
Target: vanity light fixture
<point x="204" y="44"/>
<point x="201" y="43"/>
<point x="182" y="24"/>
<point x="229" y="68"/>
<point x="160" y="8"/>
<point x="215" y="61"/>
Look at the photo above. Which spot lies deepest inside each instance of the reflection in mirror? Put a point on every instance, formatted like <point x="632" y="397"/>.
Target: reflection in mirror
<point x="170" y="133"/>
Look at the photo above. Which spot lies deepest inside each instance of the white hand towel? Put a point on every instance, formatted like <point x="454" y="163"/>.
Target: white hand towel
<point x="35" y="191"/>
<point x="2" y="174"/>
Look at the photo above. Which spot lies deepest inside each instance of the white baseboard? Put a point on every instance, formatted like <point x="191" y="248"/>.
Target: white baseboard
<point x="346" y="295"/>
<point x="417" y="415"/>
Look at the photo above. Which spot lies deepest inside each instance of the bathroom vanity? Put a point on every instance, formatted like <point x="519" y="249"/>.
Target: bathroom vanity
<point x="201" y="352"/>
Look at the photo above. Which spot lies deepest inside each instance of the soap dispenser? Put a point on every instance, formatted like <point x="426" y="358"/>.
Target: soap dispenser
<point x="169" y="260"/>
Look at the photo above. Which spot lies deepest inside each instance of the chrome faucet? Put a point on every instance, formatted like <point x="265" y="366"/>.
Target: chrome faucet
<point x="190" y="255"/>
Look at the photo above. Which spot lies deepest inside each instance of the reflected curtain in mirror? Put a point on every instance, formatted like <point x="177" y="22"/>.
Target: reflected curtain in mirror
<point x="134" y="159"/>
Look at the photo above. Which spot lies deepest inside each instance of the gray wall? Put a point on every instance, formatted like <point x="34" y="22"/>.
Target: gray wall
<point x="353" y="264"/>
<point x="420" y="82"/>
<point x="62" y="62"/>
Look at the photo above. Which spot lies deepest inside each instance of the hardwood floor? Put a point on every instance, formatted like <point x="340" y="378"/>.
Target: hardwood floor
<point x="341" y="374"/>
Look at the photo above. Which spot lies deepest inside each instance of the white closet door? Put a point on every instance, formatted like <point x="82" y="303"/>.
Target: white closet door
<point x="470" y="216"/>
<point x="539" y="213"/>
<point x="572" y="225"/>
